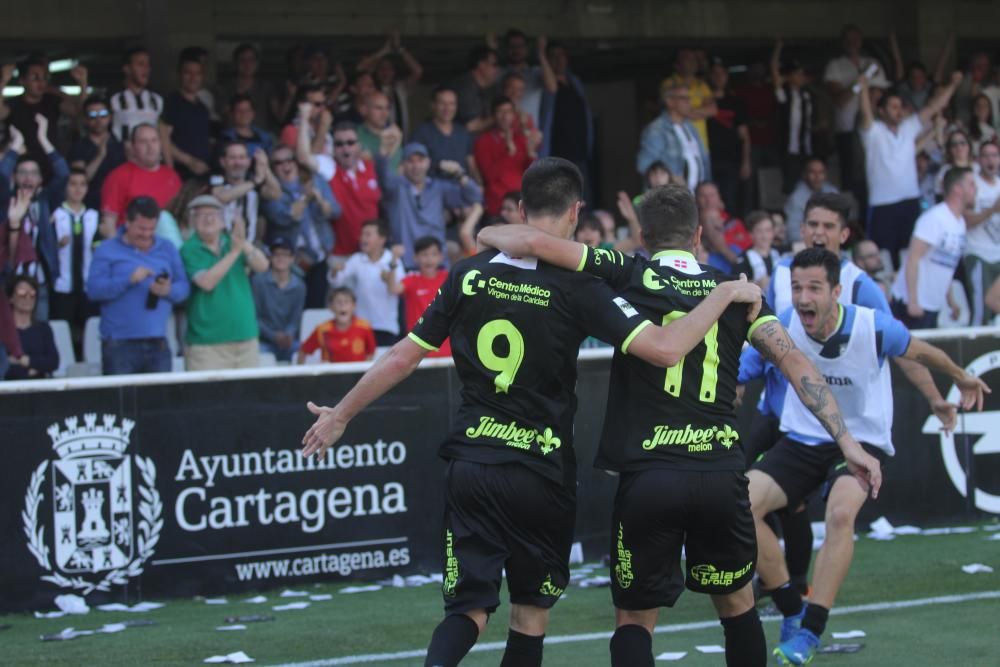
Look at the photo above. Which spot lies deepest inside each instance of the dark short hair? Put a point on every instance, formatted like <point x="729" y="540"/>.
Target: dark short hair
<point x="78" y="171"/>
<point x="337" y="291"/>
<point x="380" y="225"/>
<point x="442" y="89"/>
<point x="27" y="157"/>
<point x="425" y="242"/>
<point x="514" y="32"/>
<point x="135" y="131"/>
<point x="550" y="186"/>
<point x="513" y="195"/>
<point x="754" y="218"/>
<point x="819" y="257"/>
<point x="142" y="206"/>
<point x="305" y="89"/>
<point x="32" y="61"/>
<point x="478" y="55"/>
<point x="668" y="216"/>
<point x="245" y="46"/>
<point x="811" y="159"/>
<point x="953" y="177"/>
<point x="13" y="282"/>
<point x="241" y="97"/>
<point x="831" y="201"/>
<point x="96" y="99"/>
<point x="658" y="165"/>
<point x="510" y="76"/>
<point x="889" y="94"/>
<point x="590" y="221"/>
<point x="498" y="102"/>
<point x="226" y="145"/>
<point x="132" y="53"/>
<point x="344" y="126"/>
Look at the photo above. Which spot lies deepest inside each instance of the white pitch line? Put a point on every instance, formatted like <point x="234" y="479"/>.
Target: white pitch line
<point x="660" y="629"/>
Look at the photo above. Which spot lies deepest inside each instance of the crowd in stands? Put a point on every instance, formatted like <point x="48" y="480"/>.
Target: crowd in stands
<point x="227" y="209"/>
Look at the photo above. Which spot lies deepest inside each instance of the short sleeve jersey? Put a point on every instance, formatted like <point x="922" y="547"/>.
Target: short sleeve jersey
<point x="681" y="417"/>
<point x="516" y="326"/>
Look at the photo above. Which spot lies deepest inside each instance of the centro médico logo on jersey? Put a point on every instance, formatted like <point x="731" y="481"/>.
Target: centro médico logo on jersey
<point x="696" y="439"/>
<point x="983" y="426"/>
<point x="93" y="525"/>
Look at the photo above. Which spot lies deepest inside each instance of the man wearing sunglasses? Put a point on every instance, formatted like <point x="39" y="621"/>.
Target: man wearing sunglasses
<point x="98" y="151"/>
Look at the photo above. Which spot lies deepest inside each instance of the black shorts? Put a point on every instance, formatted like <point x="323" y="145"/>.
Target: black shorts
<point x="801" y="469"/>
<point x="764" y="433"/>
<point x="657" y="512"/>
<point x="504" y="516"/>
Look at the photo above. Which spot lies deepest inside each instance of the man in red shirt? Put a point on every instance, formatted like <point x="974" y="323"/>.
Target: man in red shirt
<point x="142" y="175"/>
<point x="345" y="337"/>
<point x="502" y="156"/>
<point x="420" y="288"/>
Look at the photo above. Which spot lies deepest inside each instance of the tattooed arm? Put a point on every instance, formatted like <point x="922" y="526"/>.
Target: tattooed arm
<point x="971" y="387"/>
<point x="776" y="346"/>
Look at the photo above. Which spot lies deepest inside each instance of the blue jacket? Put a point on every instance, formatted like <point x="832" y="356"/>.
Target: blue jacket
<point x="411" y="218"/>
<point x="279" y="214"/>
<point x="123" y="305"/>
<point x="48" y="199"/>
<point x="659" y="143"/>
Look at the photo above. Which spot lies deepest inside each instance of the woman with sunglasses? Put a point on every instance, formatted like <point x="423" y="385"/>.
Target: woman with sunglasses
<point x="40" y="357"/>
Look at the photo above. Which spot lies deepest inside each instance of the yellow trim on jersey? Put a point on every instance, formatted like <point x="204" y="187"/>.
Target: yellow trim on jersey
<point x="421" y="342"/>
<point x="680" y="254"/>
<point x="757" y="322"/>
<point x="583" y="259"/>
<point x="635" y="332"/>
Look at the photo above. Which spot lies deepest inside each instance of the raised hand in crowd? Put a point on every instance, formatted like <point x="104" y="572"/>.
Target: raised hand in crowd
<point x="391" y="139"/>
<point x="17" y="209"/>
<point x="16" y="142"/>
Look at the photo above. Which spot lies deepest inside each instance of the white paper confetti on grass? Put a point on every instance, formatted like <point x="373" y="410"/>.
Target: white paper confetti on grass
<point x="227" y="628"/>
<point x="260" y="599"/>
<point x="906" y="530"/>
<point x="134" y="609"/>
<point x="236" y="658"/>
<point x="676" y="655"/>
<point x="72" y="604"/>
<point x="975" y="568"/>
<point x="361" y="589"/>
<point x="290" y="605"/>
<point x="594" y="582"/>
<point x="710" y="648"/>
<point x="111" y="628"/>
<point x="288" y="593"/>
<point x="216" y="601"/>
<point x="850" y="634"/>
<point x="49" y="614"/>
<point x="995" y="537"/>
<point x="322" y="597"/>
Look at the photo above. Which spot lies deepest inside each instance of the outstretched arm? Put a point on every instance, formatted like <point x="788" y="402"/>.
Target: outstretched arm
<point x="527" y="241"/>
<point x="773" y="342"/>
<point x="971" y="387"/>
<point x="389" y="370"/>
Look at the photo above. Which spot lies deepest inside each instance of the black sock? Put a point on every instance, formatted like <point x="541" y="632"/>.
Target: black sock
<point x="631" y="646"/>
<point x="522" y="650"/>
<point x="815" y="619"/>
<point x="787" y="600"/>
<point x="452" y="639"/>
<point x="745" y="643"/>
<point x="798" y="547"/>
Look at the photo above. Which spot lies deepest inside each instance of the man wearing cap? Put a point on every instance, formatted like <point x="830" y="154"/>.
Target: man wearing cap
<point x="222" y="323"/>
<point x="137" y="278"/>
<point x="279" y="296"/>
<point x="416" y="203"/>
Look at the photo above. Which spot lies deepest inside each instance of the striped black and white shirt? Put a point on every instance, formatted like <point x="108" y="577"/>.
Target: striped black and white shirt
<point x="130" y="109"/>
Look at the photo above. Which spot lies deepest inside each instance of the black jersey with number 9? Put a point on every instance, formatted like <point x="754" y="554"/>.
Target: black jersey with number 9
<point x="516" y="326"/>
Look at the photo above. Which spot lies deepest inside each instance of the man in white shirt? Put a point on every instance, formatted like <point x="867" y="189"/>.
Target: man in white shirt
<point x="813" y="182"/>
<point x="371" y="273"/>
<point x="982" y="250"/>
<point x="840" y="77"/>
<point x="891" y="164"/>
<point x="245" y="179"/>
<point x="921" y="289"/>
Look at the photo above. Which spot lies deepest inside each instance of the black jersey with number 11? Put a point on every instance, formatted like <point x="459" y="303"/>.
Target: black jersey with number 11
<point x="679" y="417"/>
<point x="516" y="326"/>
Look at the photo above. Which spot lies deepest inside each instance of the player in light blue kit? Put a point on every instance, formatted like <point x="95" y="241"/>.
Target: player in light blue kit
<point x="849" y="345"/>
